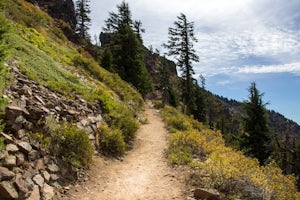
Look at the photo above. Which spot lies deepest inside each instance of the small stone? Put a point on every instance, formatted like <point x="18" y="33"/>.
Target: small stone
<point x="21" y="184"/>
<point x="20" y="159"/>
<point x="21" y="133"/>
<point x="54" y="177"/>
<point x="57" y="108"/>
<point x="33" y="155"/>
<point x="3" y="154"/>
<point x="10" y="161"/>
<point x="209" y="194"/>
<point x="46" y="110"/>
<point x="39" y="180"/>
<point x="11" y="148"/>
<point x="73" y="112"/>
<point x="84" y="122"/>
<point x="46" y="176"/>
<point x="24" y="146"/>
<point x="20" y="120"/>
<point x="35" y="194"/>
<point x="53" y="167"/>
<point x="8" y="191"/>
<point x="92" y="137"/>
<point x="6" y="174"/>
<point x="48" y="192"/>
<point x="40" y="100"/>
<point x="39" y="164"/>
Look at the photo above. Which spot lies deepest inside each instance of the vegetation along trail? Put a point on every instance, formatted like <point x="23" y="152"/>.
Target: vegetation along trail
<point x="144" y="172"/>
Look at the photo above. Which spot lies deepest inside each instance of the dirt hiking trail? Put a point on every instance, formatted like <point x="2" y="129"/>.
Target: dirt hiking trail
<point x="143" y="173"/>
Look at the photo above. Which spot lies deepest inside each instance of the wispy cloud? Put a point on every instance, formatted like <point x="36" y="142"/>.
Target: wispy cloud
<point x="293" y="68"/>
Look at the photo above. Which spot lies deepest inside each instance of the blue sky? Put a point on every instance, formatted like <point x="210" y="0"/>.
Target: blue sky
<point x="240" y="41"/>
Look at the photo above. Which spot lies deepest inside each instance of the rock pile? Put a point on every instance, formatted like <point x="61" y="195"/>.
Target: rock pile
<point x="26" y="169"/>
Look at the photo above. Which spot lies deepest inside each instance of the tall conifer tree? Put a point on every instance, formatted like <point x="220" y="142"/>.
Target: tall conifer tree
<point x="83" y="19"/>
<point x="181" y="45"/>
<point x="256" y="138"/>
<point x="127" y="48"/>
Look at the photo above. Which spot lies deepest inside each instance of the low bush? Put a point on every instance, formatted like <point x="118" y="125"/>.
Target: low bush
<point x="214" y="165"/>
<point x="70" y="143"/>
<point x="111" y="141"/>
<point x="122" y="119"/>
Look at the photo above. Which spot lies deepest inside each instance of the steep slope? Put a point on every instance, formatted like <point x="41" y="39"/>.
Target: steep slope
<point x="59" y="104"/>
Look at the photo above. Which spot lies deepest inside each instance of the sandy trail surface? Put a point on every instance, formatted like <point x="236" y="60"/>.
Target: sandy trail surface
<point x="143" y="173"/>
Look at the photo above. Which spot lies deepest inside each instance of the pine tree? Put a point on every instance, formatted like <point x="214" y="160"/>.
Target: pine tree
<point x="127" y="48"/>
<point x="181" y="45"/>
<point x="256" y="137"/>
<point x="83" y="20"/>
<point x="107" y="60"/>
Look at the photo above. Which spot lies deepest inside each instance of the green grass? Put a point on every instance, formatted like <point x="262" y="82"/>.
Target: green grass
<point x="44" y="54"/>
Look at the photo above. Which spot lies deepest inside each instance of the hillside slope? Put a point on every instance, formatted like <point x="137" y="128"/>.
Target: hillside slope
<point x="58" y="105"/>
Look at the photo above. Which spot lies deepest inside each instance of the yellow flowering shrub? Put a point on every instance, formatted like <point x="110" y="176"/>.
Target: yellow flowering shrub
<point x="218" y="166"/>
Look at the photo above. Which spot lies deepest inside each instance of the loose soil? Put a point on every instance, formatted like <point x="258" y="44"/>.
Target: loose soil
<point x="144" y="173"/>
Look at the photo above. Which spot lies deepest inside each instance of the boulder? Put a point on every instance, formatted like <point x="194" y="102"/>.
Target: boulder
<point x="8" y="191"/>
<point x="208" y="194"/>
<point x="6" y="174"/>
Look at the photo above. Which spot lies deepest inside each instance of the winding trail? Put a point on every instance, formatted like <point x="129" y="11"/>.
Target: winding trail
<point x="144" y="172"/>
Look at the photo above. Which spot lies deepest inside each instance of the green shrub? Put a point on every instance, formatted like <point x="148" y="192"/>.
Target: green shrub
<point x="70" y="143"/>
<point x="184" y="146"/>
<point x="122" y="119"/>
<point x="111" y="141"/>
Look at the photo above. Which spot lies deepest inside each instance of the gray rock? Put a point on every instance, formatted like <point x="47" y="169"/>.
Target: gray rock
<point x="30" y="184"/>
<point x="39" y="180"/>
<point x="6" y="174"/>
<point x="8" y="191"/>
<point x="53" y="167"/>
<point x="208" y="194"/>
<point x="46" y="176"/>
<point x="25" y="147"/>
<point x="21" y="184"/>
<point x="35" y="194"/>
<point x="21" y="133"/>
<point x="3" y="154"/>
<point x="48" y="192"/>
<point x="11" y="148"/>
<point x="20" y="159"/>
<point x="39" y="164"/>
<point x="54" y="177"/>
<point x="10" y="161"/>
<point x="33" y="155"/>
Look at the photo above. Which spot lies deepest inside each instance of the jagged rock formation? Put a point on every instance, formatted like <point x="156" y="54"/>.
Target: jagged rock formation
<point x="27" y="169"/>
<point x="58" y="9"/>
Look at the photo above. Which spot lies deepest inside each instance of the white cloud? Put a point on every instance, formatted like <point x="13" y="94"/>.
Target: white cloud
<point x="293" y="68"/>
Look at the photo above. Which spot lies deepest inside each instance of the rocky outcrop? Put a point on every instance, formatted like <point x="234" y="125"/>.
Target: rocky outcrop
<point x="58" y="9"/>
<point x="28" y="170"/>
